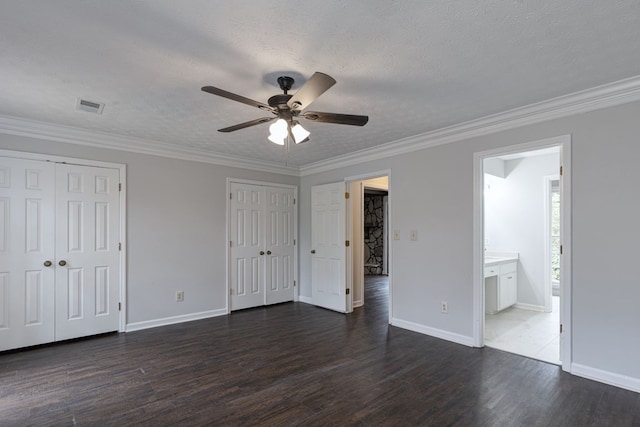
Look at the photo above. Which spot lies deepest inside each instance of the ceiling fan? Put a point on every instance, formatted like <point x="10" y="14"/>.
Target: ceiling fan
<point x="288" y="108"/>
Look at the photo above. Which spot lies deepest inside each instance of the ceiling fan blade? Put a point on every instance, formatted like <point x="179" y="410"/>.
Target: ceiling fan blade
<point x="342" y="119"/>
<point x="318" y="84"/>
<point x="232" y="96"/>
<point x="247" y="124"/>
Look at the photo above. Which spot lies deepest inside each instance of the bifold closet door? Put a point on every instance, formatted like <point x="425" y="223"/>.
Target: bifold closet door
<point x="27" y="282"/>
<point x="261" y="246"/>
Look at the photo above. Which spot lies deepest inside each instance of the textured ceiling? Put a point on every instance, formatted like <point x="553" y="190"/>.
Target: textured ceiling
<point x="412" y="66"/>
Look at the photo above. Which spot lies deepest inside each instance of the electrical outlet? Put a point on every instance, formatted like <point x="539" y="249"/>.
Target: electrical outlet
<point x="179" y="296"/>
<point x="444" y="307"/>
<point x="414" y="234"/>
<point x="396" y="234"/>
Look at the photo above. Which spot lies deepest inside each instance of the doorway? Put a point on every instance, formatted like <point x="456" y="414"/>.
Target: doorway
<point x="368" y="228"/>
<point x="515" y="308"/>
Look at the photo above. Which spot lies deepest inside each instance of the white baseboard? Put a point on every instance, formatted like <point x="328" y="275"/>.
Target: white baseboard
<point x="358" y="303"/>
<point x="306" y="300"/>
<point x="437" y="333"/>
<point x="529" y="306"/>
<point x="617" y="380"/>
<point x="173" y="320"/>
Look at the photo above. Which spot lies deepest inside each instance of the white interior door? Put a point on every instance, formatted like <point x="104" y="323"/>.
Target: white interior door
<point x="26" y="252"/>
<point x="328" y="249"/>
<point x="87" y="259"/>
<point x="247" y="251"/>
<point x="279" y="245"/>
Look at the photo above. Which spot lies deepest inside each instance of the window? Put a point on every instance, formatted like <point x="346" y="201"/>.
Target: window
<point x="555" y="231"/>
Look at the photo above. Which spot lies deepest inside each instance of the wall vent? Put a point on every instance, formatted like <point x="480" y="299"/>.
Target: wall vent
<point x="89" y="106"/>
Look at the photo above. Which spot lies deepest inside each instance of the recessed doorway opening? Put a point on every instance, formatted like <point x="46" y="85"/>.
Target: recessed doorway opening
<point x="368" y="221"/>
<point x="521" y="221"/>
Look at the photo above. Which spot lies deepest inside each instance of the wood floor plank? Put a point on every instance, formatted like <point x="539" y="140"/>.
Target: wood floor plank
<point x="295" y="364"/>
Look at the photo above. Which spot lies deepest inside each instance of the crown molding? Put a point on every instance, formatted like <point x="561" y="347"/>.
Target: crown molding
<point x="72" y="135"/>
<point x="608" y="95"/>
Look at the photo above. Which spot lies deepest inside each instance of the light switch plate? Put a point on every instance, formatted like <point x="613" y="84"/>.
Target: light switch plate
<point x="396" y="234"/>
<point x="414" y="234"/>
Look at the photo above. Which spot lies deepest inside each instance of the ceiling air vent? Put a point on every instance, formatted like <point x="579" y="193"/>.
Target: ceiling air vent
<point x="90" y="106"/>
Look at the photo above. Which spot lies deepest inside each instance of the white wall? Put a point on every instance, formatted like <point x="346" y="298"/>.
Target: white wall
<point x="515" y="219"/>
<point x="176" y="212"/>
<point x="432" y="191"/>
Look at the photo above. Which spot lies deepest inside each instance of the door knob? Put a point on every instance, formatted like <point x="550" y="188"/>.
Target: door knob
<point x="62" y="263"/>
<point x="268" y="252"/>
<point x="48" y="263"/>
<point x="261" y="252"/>
<point x="313" y="251"/>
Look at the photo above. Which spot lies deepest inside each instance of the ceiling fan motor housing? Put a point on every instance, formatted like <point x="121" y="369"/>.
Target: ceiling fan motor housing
<point x="286" y="83"/>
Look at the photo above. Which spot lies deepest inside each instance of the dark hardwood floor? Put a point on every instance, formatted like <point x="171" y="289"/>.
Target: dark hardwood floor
<point x="295" y="364"/>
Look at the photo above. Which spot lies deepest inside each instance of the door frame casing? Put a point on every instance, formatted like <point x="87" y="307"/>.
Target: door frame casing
<point x="296" y="280"/>
<point x="349" y="230"/>
<point x="564" y="143"/>
<point x="122" y="168"/>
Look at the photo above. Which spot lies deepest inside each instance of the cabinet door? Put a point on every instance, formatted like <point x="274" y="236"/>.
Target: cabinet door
<point x="508" y="290"/>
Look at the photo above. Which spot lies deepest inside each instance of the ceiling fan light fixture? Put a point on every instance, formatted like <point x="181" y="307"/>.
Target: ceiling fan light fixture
<point x="300" y="134"/>
<point x="276" y="140"/>
<point x="279" y="131"/>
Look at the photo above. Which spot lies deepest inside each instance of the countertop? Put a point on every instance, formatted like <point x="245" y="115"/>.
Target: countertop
<point x="496" y="258"/>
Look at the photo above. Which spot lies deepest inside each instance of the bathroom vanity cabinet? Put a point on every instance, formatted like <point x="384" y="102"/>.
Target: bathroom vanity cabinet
<point x="501" y="284"/>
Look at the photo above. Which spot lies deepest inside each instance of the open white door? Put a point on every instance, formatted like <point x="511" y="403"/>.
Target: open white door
<point x="328" y="251"/>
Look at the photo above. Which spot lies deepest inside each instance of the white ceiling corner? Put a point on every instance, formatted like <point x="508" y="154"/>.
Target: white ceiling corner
<point x="425" y="73"/>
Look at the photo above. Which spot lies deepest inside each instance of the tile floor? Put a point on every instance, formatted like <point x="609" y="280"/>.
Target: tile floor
<point x="528" y="333"/>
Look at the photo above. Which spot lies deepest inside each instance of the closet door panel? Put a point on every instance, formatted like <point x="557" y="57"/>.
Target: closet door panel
<point x="246" y="245"/>
<point x="87" y="253"/>
<point x="280" y="245"/>
<point x="26" y="244"/>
